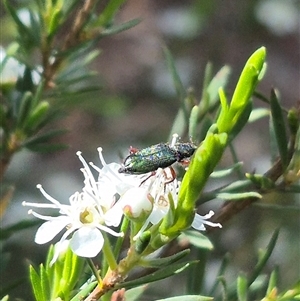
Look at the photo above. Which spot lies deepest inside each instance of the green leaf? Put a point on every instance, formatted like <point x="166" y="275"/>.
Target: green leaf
<point x="76" y="70"/>
<point x="241" y="121"/>
<point x="279" y="128"/>
<point x="188" y="298"/>
<point x="219" y="80"/>
<point x="69" y="82"/>
<point x="238" y="196"/>
<point x="210" y="94"/>
<point x="45" y="285"/>
<point x="69" y="268"/>
<point x="205" y="98"/>
<point x="259" y="284"/>
<point x="221" y="272"/>
<point x="160" y="262"/>
<point x="35" y="28"/>
<point x="195" y="277"/>
<point x="142" y="242"/>
<point x="84" y="291"/>
<point x="273" y="142"/>
<point x="231" y="116"/>
<point x="51" y="270"/>
<point x="242" y="286"/>
<point x="135" y="293"/>
<point x="293" y="121"/>
<point x="265" y="255"/>
<point x="261" y="181"/>
<point x="224" y="285"/>
<point x="77" y="264"/>
<point x="109" y="12"/>
<point x="24" y="109"/>
<point x="76" y="51"/>
<point x="226" y="172"/>
<point x="118" y="28"/>
<point x="56" y="19"/>
<point x="180" y="91"/>
<point x="37" y="116"/>
<point x="23" y="30"/>
<point x="258" y="113"/>
<point x="36" y="284"/>
<point x="65" y="284"/>
<point x="294" y="292"/>
<point x="157" y="275"/>
<point x="193" y="122"/>
<point x="38" y="93"/>
<point x="273" y="281"/>
<point x="237" y="186"/>
<point x="197" y="239"/>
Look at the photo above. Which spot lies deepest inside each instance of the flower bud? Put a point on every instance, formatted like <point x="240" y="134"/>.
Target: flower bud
<point x="137" y="204"/>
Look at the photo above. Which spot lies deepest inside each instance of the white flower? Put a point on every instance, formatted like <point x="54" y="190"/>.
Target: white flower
<point x="199" y="221"/>
<point x="121" y="184"/>
<point x="161" y="188"/>
<point x="85" y="217"/>
<point x="164" y="189"/>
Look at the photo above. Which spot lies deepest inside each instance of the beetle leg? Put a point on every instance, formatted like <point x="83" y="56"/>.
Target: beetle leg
<point x="151" y="175"/>
<point x="173" y="176"/>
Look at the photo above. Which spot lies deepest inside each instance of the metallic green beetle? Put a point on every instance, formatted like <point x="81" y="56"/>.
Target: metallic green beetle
<point x="160" y="155"/>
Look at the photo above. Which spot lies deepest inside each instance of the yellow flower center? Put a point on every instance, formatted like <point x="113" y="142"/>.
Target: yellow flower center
<point x="86" y="217"/>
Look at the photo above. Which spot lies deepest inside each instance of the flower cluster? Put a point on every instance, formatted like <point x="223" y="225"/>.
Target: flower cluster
<point x="102" y="203"/>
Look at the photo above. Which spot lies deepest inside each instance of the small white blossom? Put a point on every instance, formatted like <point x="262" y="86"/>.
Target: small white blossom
<point x="199" y="221"/>
<point x="125" y="186"/>
<point x="161" y="188"/>
<point x="86" y="216"/>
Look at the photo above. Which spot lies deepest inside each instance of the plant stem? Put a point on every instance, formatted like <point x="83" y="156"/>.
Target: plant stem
<point x="108" y="254"/>
<point x="94" y="270"/>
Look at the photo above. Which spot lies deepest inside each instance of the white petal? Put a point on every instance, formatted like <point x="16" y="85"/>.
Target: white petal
<point x="114" y="215"/>
<point x="60" y="244"/>
<point x="199" y="221"/>
<point x="87" y="242"/>
<point x="59" y="247"/>
<point x="137" y="199"/>
<point x="48" y="230"/>
<point x="157" y="215"/>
